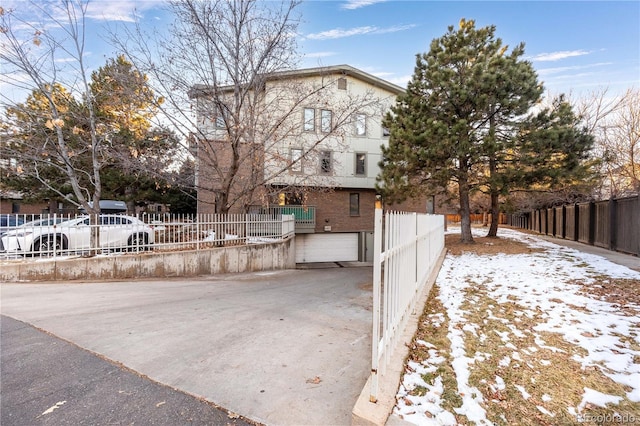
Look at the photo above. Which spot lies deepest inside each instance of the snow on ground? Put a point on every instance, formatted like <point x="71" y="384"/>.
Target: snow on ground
<point x="544" y="285"/>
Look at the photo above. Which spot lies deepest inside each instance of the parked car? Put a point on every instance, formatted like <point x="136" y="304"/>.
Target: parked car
<point x="48" y="221"/>
<point x="117" y="232"/>
<point x="30" y="224"/>
<point x="9" y="221"/>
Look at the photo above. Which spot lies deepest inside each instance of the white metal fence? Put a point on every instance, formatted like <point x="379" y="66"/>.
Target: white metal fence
<point x="55" y="235"/>
<point x="406" y="250"/>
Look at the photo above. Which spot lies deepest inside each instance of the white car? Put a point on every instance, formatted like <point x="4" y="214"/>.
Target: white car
<point x="117" y="232"/>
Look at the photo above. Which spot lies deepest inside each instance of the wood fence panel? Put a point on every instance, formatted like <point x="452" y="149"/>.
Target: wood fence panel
<point x="559" y="222"/>
<point x="584" y="210"/>
<point x="627" y="229"/>
<point x="570" y="228"/>
<point x="611" y="224"/>
<point x="602" y="225"/>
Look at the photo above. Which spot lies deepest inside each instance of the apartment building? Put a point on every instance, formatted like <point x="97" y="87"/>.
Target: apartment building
<point x="320" y="162"/>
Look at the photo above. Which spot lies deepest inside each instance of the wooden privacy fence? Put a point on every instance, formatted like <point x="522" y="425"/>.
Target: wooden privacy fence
<point x="406" y="251"/>
<point x="477" y="218"/>
<point x="611" y="224"/>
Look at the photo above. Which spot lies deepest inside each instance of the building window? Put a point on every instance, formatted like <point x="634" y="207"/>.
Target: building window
<point x="361" y="164"/>
<point x="354" y="204"/>
<point x="360" y="125"/>
<point x="342" y="83"/>
<point x="309" y="120"/>
<point x="385" y="132"/>
<point x="325" y="162"/>
<point x="296" y="160"/>
<point x="325" y="121"/>
<point x="220" y="122"/>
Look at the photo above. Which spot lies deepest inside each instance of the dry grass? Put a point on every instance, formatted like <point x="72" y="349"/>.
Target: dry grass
<point x="549" y="373"/>
<point x="485" y="246"/>
<point x="433" y="329"/>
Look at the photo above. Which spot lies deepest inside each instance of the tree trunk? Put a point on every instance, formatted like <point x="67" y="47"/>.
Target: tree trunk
<point x="222" y="210"/>
<point x="495" y="214"/>
<point x="94" y="223"/>
<point x="129" y="192"/>
<point x="465" y="210"/>
<point x="222" y="202"/>
<point x="493" y="169"/>
<point x="495" y="195"/>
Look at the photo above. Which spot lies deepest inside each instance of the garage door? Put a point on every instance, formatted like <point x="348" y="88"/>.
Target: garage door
<point x="326" y="248"/>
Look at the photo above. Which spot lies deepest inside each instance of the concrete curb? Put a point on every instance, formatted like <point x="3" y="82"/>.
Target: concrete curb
<point x="186" y="263"/>
<point x="369" y="413"/>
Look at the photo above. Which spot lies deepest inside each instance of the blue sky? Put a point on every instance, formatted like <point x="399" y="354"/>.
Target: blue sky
<point x="575" y="46"/>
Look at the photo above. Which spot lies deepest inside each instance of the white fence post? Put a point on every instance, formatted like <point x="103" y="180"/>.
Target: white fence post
<point x="377" y="284"/>
<point x="412" y="245"/>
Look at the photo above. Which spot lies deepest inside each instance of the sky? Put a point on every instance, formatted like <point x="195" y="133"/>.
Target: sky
<point x="526" y="291"/>
<point x="575" y="46"/>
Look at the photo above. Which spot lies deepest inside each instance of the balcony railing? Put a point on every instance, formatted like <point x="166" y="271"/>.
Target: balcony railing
<point x="305" y="216"/>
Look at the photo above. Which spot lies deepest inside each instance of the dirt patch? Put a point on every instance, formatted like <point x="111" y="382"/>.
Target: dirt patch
<point x="486" y="246"/>
<point x="622" y="293"/>
<point x="368" y="286"/>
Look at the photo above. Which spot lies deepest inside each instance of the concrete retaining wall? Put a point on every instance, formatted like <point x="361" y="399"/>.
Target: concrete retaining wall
<point x="234" y="259"/>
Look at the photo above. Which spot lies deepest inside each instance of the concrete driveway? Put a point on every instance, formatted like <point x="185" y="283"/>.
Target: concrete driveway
<point x="281" y="348"/>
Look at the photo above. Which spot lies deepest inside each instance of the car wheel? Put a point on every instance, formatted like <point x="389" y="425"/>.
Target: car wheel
<point x="49" y="245"/>
<point x="138" y="242"/>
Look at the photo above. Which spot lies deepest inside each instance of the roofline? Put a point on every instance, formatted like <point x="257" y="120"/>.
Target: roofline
<point x="348" y="70"/>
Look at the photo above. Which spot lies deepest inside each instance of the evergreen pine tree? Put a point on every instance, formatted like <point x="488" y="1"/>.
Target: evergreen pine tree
<point x="463" y="120"/>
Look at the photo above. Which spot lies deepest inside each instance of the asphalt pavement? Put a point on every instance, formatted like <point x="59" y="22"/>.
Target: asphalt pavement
<point x="48" y="381"/>
<point x="286" y="347"/>
<point x="624" y="259"/>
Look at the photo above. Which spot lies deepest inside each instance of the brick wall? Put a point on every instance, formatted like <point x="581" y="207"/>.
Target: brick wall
<point x="212" y="154"/>
<point x="333" y="210"/>
<point x="8" y="206"/>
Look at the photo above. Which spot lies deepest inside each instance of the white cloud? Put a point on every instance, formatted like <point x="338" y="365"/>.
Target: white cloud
<point x="401" y="81"/>
<point x="64" y="60"/>
<point x="357" y="4"/>
<point x="557" y="56"/>
<point x="342" y="33"/>
<point x="319" y="54"/>
<point x="558" y="70"/>
<point x="122" y="10"/>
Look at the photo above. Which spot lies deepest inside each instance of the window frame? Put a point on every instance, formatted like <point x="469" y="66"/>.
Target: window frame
<point x="295" y="162"/>
<point x="324" y="126"/>
<point x="307" y="124"/>
<point x="326" y="155"/>
<point x="219" y="122"/>
<point x="360" y="118"/>
<point x="354" y="204"/>
<point x="364" y="164"/>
